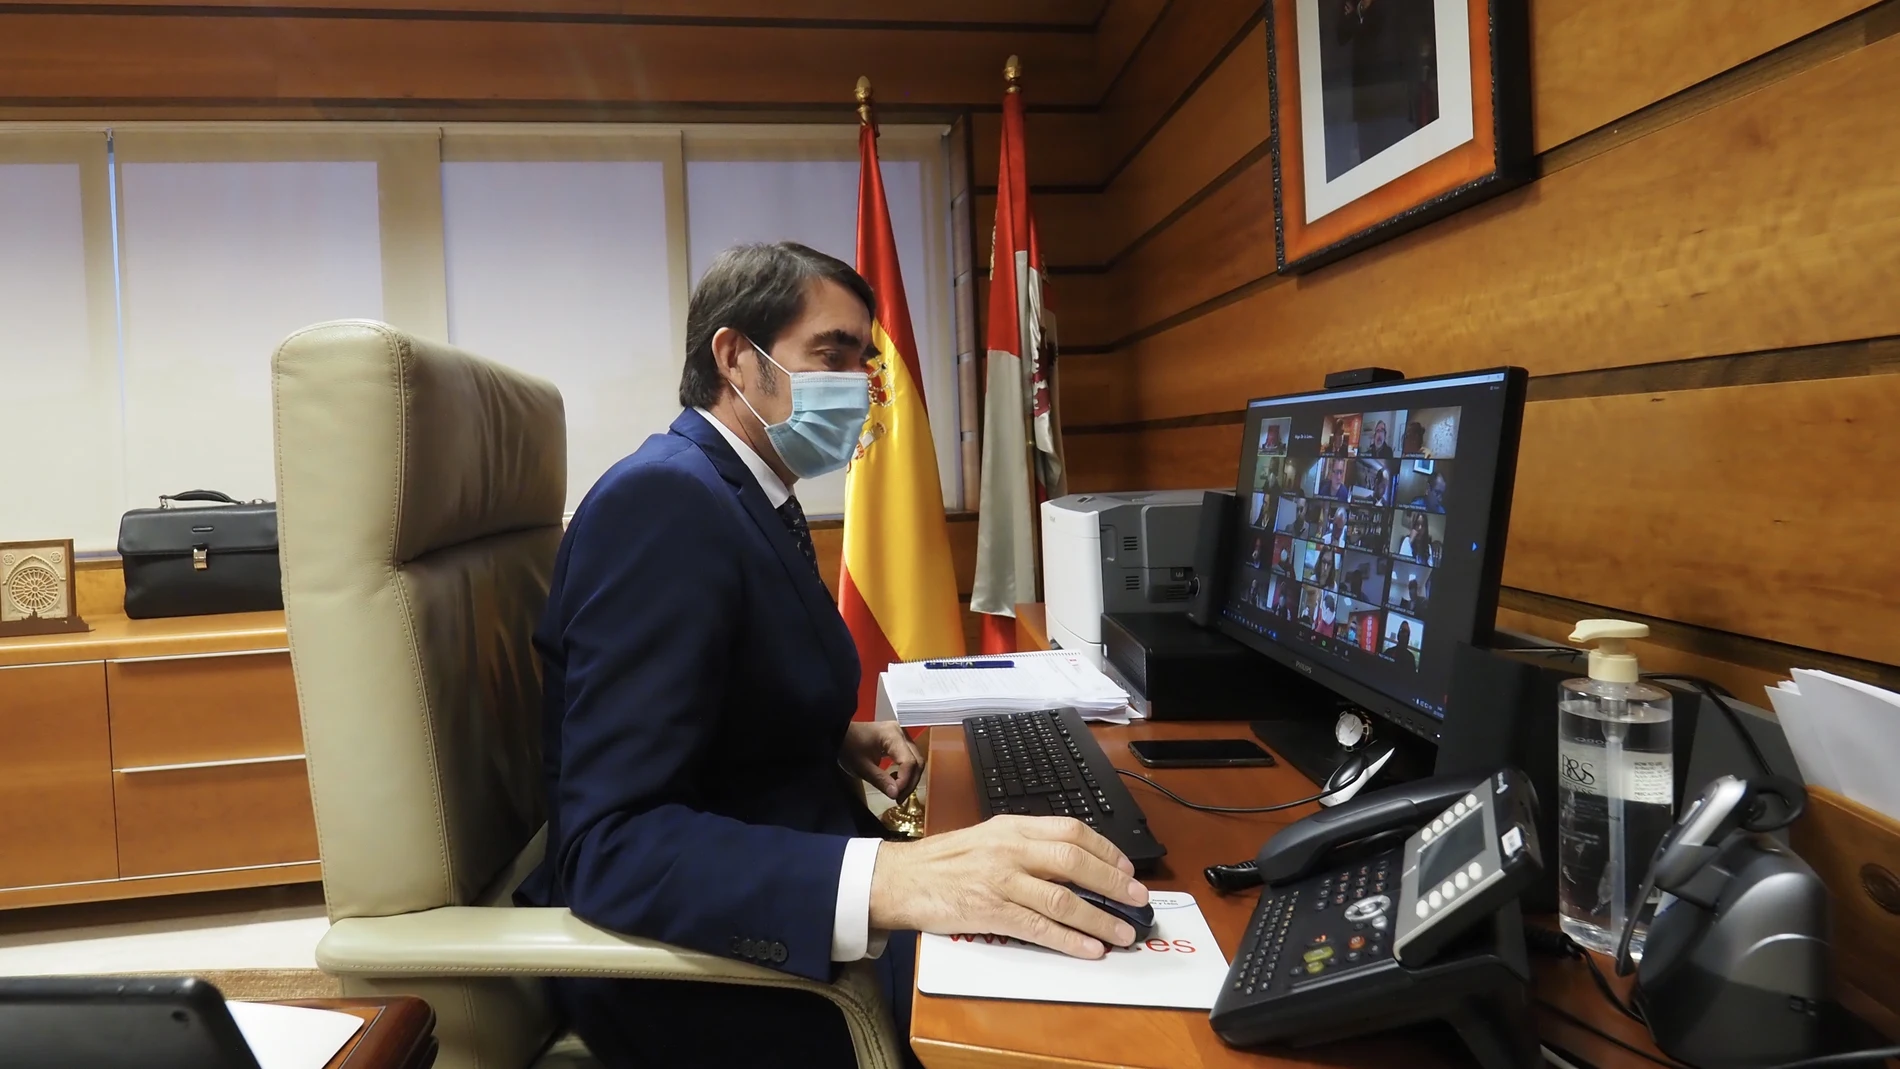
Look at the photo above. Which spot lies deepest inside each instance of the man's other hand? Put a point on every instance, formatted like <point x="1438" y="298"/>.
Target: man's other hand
<point x="1005" y="877"/>
<point x="867" y="744"/>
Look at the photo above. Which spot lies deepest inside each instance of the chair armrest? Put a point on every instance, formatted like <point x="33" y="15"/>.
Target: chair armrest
<point x="496" y="941"/>
<point x="482" y="941"/>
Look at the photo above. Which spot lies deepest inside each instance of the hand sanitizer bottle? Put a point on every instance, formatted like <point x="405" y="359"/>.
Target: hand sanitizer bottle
<point x="1615" y="789"/>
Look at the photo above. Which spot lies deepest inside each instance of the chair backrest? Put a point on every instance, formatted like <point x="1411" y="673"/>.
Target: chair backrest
<point x="419" y="496"/>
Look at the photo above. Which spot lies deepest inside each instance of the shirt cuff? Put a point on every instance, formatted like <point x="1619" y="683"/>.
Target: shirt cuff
<point x="851" y="935"/>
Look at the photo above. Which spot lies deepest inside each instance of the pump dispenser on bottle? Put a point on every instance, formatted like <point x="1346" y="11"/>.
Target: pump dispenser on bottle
<point x="1615" y="788"/>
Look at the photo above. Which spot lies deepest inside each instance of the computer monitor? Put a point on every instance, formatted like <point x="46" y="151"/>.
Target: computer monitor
<point x="1371" y="529"/>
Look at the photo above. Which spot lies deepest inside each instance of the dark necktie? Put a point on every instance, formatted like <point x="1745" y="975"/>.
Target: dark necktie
<point x="794" y="516"/>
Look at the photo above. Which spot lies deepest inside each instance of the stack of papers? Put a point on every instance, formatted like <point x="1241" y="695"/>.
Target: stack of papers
<point x="1179" y="965"/>
<point x="921" y="696"/>
<point x="1845" y="735"/>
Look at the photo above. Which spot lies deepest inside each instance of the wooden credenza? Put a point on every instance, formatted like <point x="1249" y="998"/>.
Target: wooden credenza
<point x="151" y="757"/>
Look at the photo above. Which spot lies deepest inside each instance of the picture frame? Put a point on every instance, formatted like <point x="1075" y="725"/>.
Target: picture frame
<point x="38" y="590"/>
<point x="1372" y="136"/>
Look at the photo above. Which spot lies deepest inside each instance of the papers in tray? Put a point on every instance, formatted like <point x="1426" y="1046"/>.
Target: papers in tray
<point x="1178" y="966"/>
<point x="1845" y="735"/>
<point x="918" y="696"/>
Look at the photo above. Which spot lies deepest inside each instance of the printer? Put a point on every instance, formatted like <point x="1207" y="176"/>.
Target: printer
<point x="1120" y="553"/>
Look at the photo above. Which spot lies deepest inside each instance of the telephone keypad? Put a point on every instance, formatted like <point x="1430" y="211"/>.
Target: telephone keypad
<point x="1311" y="931"/>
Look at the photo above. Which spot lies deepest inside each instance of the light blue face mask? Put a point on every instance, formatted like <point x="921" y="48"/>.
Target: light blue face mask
<point x="828" y="413"/>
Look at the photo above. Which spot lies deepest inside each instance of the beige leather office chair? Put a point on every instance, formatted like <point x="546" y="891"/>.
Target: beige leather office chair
<point x="420" y="491"/>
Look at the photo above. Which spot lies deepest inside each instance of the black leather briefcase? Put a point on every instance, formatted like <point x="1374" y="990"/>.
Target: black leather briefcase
<point x="198" y="561"/>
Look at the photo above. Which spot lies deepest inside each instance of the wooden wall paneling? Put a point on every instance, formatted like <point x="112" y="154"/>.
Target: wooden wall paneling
<point x="1205" y="456"/>
<point x="1224" y="121"/>
<point x="1700" y="521"/>
<point x="184" y="710"/>
<point x="1119" y="34"/>
<point x="1101" y="462"/>
<point x="222" y="817"/>
<point x="65" y="60"/>
<point x="1222" y="243"/>
<point x="1184" y="42"/>
<point x="1076" y="14"/>
<point x="1725" y="233"/>
<point x="1097" y="389"/>
<point x="56" y="813"/>
<point x="1762" y="510"/>
<point x="1065" y="147"/>
<point x="828" y="539"/>
<point x="1068" y="224"/>
<point x="1595" y="61"/>
<point x="1700" y="518"/>
<point x="1088" y="308"/>
<point x="1743" y="680"/>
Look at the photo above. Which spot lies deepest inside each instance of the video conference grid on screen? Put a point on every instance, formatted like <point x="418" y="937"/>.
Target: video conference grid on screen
<point x="1345" y="529"/>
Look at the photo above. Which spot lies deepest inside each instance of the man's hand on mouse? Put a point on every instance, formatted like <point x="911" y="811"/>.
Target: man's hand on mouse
<point x="1004" y="877"/>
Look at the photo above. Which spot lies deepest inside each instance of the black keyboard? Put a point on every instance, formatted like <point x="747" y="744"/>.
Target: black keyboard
<point x="1046" y="764"/>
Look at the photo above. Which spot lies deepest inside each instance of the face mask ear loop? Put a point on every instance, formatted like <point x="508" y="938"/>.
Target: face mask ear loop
<point x="741" y="393"/>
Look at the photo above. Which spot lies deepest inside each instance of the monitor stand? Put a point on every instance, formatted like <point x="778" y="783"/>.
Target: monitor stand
<point x="1298" y="721"/>
<point x="1303" y="740"/>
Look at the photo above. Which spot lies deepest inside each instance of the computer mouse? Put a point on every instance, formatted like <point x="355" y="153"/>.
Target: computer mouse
<point x="1140" y="918"/>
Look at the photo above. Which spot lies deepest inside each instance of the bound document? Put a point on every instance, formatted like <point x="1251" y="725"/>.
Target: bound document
<point x="930" y="693"/>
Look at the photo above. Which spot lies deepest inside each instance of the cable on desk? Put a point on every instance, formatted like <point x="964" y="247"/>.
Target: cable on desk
<point x="1558" y="945"/>
<point x="1230" y="808"/>
<point x="1716" y="693"/>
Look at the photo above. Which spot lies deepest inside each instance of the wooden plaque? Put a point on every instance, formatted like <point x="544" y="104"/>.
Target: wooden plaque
<point x="36" y="589"/>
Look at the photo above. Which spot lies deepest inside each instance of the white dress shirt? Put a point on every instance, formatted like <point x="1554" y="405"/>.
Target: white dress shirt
<point x="851" y="936"/>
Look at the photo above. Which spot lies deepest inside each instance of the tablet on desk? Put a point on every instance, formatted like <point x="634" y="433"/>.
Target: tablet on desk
<point x="106" y="1022"/>
<point x="103" y="1022"/>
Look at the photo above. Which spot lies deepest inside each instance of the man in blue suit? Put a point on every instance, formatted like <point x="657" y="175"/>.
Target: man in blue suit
<point x="699" y="688"/>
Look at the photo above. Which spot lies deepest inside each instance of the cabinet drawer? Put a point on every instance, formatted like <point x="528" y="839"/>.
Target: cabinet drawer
<point x="55" y="776"/>
<point x="214" y="817"/>
<point x="183" y="710"/>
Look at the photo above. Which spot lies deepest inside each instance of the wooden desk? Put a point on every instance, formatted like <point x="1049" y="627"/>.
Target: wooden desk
<point x="397" y="1032"/>
<point x="956" y="1033"/>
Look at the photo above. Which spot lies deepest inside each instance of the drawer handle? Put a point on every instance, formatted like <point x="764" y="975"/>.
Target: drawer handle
<point x="233" y="762"/>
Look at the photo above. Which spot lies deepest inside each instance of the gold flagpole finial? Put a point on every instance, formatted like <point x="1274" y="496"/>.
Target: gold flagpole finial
<point x="1013" y="73"/>
<point x="864" y="99"/>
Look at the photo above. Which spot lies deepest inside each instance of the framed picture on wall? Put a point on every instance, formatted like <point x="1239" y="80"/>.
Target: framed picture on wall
<point x="1389" y="114"/>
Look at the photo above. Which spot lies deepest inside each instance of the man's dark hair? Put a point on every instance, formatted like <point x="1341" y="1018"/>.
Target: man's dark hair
<point x="757" y="290"/>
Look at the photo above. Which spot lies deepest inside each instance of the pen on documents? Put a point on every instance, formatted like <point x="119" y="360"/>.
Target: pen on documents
<point x="969" y="664"/>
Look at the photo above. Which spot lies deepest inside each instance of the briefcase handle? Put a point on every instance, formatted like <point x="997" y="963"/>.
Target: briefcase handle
<point x="165" y="500"/>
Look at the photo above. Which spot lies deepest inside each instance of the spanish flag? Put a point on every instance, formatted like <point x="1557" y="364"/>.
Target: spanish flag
<point x="897" y="589"/>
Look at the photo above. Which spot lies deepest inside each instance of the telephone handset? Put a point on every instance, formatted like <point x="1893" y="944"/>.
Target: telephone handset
<point x="1349" y="938"/>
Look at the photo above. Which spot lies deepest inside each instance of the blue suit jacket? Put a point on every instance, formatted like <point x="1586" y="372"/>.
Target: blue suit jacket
<point x="698" y="682"/>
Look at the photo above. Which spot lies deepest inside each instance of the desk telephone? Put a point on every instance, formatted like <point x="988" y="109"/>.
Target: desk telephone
<point x="1353" y="934"/>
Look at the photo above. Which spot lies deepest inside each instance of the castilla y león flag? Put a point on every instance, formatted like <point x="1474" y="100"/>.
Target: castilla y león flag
<point x="1022" y="431"/>
<point x="897" y="589"/>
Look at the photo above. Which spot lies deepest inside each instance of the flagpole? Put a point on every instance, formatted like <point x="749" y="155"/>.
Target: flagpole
<point x="1012" y="80"/>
